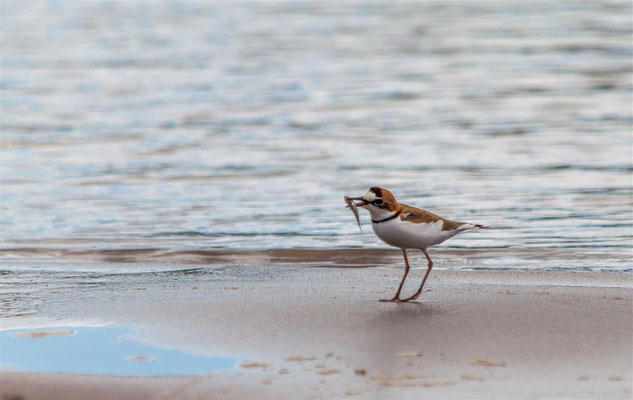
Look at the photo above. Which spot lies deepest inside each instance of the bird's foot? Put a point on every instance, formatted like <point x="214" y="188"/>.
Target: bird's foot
<point x="414" y="297"/>
<point x="393" y="300"/>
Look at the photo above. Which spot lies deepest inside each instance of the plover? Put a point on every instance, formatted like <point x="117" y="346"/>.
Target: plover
<point x="406" y="227"/>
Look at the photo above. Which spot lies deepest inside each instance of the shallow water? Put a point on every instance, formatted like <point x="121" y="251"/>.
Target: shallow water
<point x="110" y="350"/>
<point x="241" y="125"/>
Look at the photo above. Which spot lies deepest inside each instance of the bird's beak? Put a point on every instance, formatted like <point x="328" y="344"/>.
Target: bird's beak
<point x="362" y="202"/>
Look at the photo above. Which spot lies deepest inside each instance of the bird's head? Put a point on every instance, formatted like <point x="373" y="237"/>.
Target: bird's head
<point x="378" y="201"/>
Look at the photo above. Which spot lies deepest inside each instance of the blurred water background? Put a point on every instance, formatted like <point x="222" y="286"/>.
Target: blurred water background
<point x="241" y="125"/>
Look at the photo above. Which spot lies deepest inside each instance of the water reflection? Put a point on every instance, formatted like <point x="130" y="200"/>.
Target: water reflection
<point x="110" y="350"/>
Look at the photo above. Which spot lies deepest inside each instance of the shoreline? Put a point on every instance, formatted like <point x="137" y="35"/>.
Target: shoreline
<point x="534" y="258"/>
<point x="479" y="334"/>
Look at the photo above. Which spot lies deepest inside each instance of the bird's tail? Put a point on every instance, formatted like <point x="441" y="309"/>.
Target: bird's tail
<point x="479" y="226"/>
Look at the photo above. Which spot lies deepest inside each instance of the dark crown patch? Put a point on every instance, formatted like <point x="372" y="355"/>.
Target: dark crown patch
<point x="377" y="191"/>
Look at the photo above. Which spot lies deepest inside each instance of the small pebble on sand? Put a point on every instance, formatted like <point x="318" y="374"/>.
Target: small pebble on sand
<point x="437" y="382"/>
<point x="300" y="357"/>
<point x="41" y="334"/>
<point x="408" y="354"/>
<point x="473" y="377"/>
<point x="327" y="371"/>
<point x="488" y="362"/>
<point x="254" y="364"/>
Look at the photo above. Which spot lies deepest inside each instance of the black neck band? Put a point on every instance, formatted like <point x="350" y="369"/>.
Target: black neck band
<point x="386" y="219"/>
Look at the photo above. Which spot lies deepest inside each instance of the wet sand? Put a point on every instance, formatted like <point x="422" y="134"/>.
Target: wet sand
<point x="321" y="333"/>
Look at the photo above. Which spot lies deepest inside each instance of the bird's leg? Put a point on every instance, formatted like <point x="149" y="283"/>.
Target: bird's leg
<point x="406" y="272"/>
<point x="417" y="294"/>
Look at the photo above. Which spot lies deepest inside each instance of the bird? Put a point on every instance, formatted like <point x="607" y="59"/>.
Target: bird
<point x="405" y="227"/>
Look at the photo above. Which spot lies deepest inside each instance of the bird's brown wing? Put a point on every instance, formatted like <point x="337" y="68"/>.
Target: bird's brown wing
<point x="419" y="216"/>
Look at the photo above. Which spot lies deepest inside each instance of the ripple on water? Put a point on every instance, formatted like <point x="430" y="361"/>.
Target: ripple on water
<point x="513" y="115"/>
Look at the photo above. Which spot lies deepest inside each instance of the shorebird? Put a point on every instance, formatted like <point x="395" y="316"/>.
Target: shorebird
<point x="406" y="227"/>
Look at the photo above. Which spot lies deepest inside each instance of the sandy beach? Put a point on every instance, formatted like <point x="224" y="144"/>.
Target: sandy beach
<point x="309" y="332"/>
<point x="172" y="214"/>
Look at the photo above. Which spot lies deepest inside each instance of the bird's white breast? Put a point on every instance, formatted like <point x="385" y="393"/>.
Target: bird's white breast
<point x="409" y="235"/>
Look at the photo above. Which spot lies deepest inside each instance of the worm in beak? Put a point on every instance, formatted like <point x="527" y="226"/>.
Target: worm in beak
<point x="352" y="206"/>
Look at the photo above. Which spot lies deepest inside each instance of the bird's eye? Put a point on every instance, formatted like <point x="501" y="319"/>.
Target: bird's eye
<point x="379" y="202"/>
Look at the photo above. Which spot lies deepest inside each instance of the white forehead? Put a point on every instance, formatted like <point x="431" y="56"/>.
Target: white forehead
<point x="369" y="196"/>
